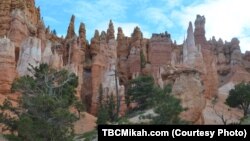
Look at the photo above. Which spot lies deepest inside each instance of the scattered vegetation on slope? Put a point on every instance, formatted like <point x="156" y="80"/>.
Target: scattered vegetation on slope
<point x="43" y="111"/>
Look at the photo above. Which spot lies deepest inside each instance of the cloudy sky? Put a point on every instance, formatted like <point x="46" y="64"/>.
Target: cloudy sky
<point x="224" y="18"/>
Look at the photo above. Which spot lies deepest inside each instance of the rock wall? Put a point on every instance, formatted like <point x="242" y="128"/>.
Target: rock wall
<point x="104" y="67"/>
<point x="25" y="40"/>
<point x="5" y="10"/>
<point x="18" y="31"/>
<point x="210" y="75"/>
<point x="7" y="65"/>
<point x="10" y="10"/>
<point x="32" y="43"/>
<point x="30" y="53"/>
<point x="134" y="57"/>
<point x="159" y="51"/>
<point x="122" y="54"/>
<point x="76" y="65"/>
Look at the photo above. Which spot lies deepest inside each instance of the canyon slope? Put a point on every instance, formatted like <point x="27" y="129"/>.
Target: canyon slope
<point x="200" y="70"/>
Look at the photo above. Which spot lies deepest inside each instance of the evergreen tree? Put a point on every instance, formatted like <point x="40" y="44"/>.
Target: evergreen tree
<point x="240" y="96"/>
<point x="141" y="91"/>
<point x="44" y="106"/>
<point x="102" y="114"/>
<point x="167" y="108"/>
<point x="9" y="121"/>
<point x="111" y="107"/>
<point x="107" y="108"/>
<point x="148" y="96"/>
<point x="80" y="107"/>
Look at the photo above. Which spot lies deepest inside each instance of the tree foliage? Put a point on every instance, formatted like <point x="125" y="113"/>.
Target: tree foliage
<point x="9" y="121"/>
<point x="240" y="97"/>
<point x="102" y="116"/>
<point x="148" y="96"/>
<point x="107" y="108"/>
<point x="166" y="107"/>
<point x="140" y="91"/>
<point x="245" y="121"/>
<point x="44" y="106"/>
<point x="80" y="107"/>
<point x="107" y="112"/>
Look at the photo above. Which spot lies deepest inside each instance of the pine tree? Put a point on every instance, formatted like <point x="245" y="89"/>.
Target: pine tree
<point x="44" y="113"/>
<point x="240" y="96"/>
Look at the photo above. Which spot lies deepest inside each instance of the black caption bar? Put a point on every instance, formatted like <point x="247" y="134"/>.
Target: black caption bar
<point x="173" y="132"/>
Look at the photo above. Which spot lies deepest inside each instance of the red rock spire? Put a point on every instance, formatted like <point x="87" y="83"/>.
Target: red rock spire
<point x="110" y="31"/>
<point x="71" y="28"/>
<point x="199" y="31"/>
<point x="82" y="35"/>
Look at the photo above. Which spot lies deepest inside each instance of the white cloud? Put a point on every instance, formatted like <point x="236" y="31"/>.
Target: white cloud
<point x="224" y="19"/>
<point x="51" y="19"/>
<point x="172" y="3"/>
<point x="96" y="14"/>
<point x="99" y="11"/>
<point x="245" y="44"/>
<point x="128" y="29"/>
<point x="157" y="17"/>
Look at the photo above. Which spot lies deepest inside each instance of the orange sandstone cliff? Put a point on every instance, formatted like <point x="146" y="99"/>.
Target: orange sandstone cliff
<point x="199" y="69"/>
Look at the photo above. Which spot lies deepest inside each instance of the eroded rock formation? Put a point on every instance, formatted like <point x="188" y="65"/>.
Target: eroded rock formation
<point x="71" y="28"/>
<point x="30" y="54"/>
<point x="108" y="63"/>
<point x="199" y="32"/>
<point x="82" y="36"/>
<point x="7" y="65"/>
<point x="188" y="87"/>
<point x="104" y="67"/>
<point x="110" y="31"/>
<point x="159" y="51"/>
<point x="192" y="55"/>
